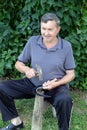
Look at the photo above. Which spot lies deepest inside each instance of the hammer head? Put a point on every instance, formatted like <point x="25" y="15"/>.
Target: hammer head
<point x="39" y="72"/>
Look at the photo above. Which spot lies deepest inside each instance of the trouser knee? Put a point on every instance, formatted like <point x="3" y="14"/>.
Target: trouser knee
<point x="63" y="101"/>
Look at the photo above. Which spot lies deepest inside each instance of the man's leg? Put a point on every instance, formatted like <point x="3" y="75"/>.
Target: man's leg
<point x="10" y="90"/>
<point x="62" y="103"/>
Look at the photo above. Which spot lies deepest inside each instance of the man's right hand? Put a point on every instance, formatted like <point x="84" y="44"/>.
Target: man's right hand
<point x="29" y="72"/>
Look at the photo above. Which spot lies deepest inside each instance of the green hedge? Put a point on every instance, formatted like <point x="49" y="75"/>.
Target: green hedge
<point x="20" y="19"/>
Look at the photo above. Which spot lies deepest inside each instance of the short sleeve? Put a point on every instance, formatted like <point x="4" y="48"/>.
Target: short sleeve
<point x="69" y="61"/>
<point x="25" y="55"/>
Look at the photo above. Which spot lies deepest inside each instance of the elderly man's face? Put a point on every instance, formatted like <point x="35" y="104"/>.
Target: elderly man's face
<point x="49" y="31"/>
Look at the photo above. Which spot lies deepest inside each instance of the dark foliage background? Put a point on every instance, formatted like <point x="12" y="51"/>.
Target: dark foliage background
<point x="20" y="19"/>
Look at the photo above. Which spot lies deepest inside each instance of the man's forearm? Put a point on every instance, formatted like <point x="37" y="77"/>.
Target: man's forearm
<point x="21" y="67"/>
<point x="66" y="79"/>
<point x="70" y="75"/>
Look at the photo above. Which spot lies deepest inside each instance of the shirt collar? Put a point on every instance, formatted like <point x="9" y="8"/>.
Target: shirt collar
<point x="56" y="47"/>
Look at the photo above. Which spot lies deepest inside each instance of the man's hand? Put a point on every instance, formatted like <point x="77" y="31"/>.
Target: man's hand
<point x="30" y="73"/>
<point x="49" y="84"/>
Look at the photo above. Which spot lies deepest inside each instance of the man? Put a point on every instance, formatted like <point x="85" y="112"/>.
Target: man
<point x="55" y="57"/>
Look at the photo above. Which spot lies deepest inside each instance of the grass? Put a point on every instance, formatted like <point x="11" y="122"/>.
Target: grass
<point x="78" y="119"/>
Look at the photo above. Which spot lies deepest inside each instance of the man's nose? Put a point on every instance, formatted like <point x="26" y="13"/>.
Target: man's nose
<point x="46" y="32"/>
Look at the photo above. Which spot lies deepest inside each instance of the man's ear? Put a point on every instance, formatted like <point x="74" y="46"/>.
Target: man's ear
<point x="59" y="28"/>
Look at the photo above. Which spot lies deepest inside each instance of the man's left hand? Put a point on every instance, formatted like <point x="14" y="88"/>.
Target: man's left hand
<point x="49" y="84"/>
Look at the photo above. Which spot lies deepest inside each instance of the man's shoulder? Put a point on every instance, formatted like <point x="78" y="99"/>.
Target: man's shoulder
<point x="65" y="43"/>
<point x="36" y="37"/>
<point x="33" y="39"/>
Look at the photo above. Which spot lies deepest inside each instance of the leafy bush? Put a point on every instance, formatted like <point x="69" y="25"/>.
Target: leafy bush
<point x="20" y="19"/>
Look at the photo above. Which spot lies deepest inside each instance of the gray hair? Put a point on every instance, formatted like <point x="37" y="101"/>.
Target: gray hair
<point x="50" y="17"/>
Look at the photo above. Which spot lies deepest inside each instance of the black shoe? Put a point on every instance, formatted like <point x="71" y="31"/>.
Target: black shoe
<point x="13" y="127"/>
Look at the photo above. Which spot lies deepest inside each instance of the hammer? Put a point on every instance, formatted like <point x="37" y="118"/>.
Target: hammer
<point x="40" y="90"/>
<point x="39" y="72"/>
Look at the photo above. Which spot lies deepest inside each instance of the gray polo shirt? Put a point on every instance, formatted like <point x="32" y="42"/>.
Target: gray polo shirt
<point x="54" y="61"/>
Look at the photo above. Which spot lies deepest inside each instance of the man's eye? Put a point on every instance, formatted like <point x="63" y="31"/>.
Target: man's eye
<point x="50" y="29"/>
<point x="43" y="28"/>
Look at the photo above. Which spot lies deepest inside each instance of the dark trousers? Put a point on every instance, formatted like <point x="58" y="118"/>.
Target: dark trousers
<point x="23" y="88"/>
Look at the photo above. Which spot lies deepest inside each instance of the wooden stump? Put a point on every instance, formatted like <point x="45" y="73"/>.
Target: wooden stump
<point x="37" y="113"/>
<point x="40" y="106"/>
